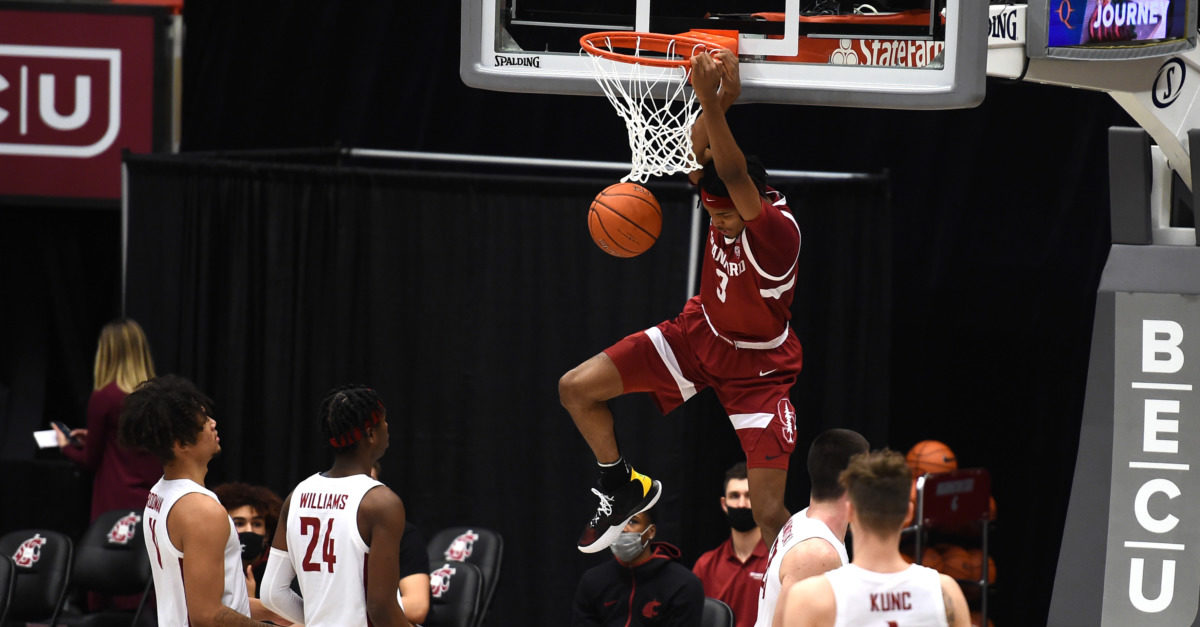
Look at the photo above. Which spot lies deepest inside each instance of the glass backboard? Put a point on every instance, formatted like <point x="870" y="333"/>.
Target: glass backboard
<point x="903" y="54"/>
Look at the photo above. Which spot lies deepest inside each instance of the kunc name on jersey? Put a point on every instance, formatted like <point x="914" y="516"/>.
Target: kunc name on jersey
<point x="891" y="601"/>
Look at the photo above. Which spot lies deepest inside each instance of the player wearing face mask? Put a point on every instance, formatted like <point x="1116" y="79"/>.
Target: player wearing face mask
<point x="733" y="572"/>
<point x="255" y="513"/>
<point x="643" y="585"/>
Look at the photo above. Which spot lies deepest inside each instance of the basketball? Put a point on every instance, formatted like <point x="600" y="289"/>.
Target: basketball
<point x="975" y="565"/>
<point x="625" y="220"/>
<point x="912" y="499"/>
<point x="929" y="558"/>
<point x="956" y="562"/>
<point x="930" y="456"/>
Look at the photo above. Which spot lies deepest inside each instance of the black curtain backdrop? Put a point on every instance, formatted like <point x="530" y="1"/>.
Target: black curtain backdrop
<point x="998" y="233"/>
<point x="462" y="300"/>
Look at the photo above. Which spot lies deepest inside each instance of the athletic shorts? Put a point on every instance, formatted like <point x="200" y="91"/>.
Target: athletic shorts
<point x="678" y="358"/>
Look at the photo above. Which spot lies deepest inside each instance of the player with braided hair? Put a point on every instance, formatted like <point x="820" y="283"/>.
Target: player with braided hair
<point x="195" y="555"/>
<point x="335" y="520"/>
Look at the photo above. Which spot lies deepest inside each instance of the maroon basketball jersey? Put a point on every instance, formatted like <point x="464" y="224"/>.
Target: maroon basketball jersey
<point x="747" y="283"/>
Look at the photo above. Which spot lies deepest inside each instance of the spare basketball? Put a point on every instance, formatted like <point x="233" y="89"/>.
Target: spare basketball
<point x="912" y="499"/>
<point x="930" y="456"/>
<point x="929" y="558"/>
<point x="625" y="220"/>
<point x="975" y="565"/>
<point x="956" y="562"/>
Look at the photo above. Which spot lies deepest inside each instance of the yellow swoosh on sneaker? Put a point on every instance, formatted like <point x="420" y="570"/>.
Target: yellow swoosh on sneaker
<point x="637" y="476"/>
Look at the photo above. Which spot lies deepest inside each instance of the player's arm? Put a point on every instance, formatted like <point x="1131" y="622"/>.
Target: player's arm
<point x="957" y="614"/>
<point x="199" y="526"/>
<point x="809" y="603"/>
<point x="809" y="558"/>
<point x="277" y="595"/>
<point x="414" y="590"/>
<point x="707" y="76"/>
<point x="381" y="524"/>
<point x="727" y="94"/>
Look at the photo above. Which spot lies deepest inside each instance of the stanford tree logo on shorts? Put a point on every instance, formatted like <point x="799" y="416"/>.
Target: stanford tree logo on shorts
<point x="787" y="418"/>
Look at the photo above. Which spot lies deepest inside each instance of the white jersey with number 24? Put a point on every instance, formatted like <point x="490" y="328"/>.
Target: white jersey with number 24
<point x="326" y="550"/>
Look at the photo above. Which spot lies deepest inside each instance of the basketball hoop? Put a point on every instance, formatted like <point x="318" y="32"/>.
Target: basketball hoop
<point x="634" y="69"/>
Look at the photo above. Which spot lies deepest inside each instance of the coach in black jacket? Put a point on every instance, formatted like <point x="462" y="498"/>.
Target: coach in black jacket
<point x="644" y="585"/>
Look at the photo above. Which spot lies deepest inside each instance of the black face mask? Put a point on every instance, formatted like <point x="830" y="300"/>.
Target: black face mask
<point x="741" y="518"/>
<point x="253" y="545"/>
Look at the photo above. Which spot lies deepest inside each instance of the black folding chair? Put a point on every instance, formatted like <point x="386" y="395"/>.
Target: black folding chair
<point x="8" y="574"/>
<point x="475" y="545"/>
<point x="111" y="560"/>
<point x="716" y="614"/>
<point x="42" y="560"/>
<point x="455" y="595"/>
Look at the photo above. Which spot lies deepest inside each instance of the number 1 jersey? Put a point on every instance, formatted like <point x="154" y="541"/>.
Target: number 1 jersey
<point x="326" y="550"/>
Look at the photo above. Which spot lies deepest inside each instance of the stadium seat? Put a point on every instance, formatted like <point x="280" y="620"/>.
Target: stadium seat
<point x="475" y="545"/>
<point x="111" y="560"/>
<point x="716" y="614"/>
<point x="456" y="591"/>
<point x="43" y="571"/>
<point x="7" y="575"/>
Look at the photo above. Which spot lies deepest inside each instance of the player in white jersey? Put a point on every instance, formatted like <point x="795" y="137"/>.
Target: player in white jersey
<point x="879" y="587"/>
<point x="813" y="540"/>
<point x="195" y="555"/>
<point x="334" y="521"/>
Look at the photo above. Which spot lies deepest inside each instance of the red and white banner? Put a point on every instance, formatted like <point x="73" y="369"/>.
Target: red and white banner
<point x="76" y="89"/>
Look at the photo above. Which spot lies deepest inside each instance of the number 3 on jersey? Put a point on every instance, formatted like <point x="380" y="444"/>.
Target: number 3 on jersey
<point x="721" y="287"/>
<point x="310" y="524"/>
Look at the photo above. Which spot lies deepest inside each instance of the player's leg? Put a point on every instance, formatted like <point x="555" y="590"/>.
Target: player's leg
<point x="765" y="422"/>
<point x="637" y="363"/>
<point x="767" y="487"/>
<point x="623" y="492"/>
<point x="584" y="391"/>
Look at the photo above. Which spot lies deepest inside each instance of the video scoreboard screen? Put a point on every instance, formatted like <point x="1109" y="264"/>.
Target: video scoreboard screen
<point x="1112" y="29"/>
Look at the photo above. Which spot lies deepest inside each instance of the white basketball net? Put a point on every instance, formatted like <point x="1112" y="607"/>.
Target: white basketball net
<point x="660" y="133"/>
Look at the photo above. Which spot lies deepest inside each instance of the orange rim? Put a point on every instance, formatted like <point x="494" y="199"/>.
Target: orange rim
<point x="684" y="46"/>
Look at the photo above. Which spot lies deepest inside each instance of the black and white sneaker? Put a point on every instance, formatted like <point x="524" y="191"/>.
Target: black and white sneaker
<point x="615" y="510"/>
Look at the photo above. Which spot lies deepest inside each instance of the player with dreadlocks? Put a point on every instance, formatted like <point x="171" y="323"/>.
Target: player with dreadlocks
<point x="335" y="520"/>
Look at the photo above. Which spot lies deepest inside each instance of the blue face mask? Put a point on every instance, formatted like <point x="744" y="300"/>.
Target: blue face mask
<point x="630" y="544"/>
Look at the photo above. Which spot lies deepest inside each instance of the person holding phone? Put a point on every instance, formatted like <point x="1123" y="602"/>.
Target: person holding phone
<point x="122" y="477"/>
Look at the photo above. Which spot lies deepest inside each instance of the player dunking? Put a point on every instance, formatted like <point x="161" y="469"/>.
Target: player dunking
<point x="734" y="336"/>
<point x="195" y="554"/>
<point x="335" y="521"/>
<point x="879" y="587"/>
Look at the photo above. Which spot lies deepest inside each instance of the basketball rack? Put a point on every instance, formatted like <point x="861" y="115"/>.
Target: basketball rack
<point x="955" y="500"/>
